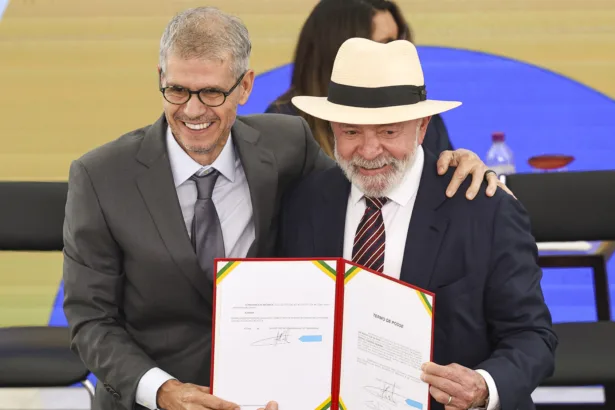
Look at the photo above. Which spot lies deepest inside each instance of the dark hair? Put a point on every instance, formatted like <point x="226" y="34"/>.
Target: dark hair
<point x="404" y="31"/>
<point x="328" y="26"/>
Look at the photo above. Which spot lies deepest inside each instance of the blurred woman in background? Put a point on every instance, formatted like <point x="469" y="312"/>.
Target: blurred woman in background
<point x="330" y="24"/>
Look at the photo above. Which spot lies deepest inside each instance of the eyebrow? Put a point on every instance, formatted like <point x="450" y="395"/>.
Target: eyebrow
<point x="209" y="87"/>
<point x="394" y="125"/>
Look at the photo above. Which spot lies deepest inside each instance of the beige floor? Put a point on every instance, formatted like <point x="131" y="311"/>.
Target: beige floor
<point x="77" y="399"/>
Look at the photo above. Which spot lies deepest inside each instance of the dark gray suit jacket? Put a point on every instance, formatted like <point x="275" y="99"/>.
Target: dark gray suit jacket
<point x="135" y="297"/>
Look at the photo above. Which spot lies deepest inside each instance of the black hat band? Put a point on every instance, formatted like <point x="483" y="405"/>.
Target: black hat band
<point x="365" y="97"/>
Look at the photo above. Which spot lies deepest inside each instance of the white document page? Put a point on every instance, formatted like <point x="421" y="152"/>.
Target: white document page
<point x="387" y="336"/>
<point x="274" y="333"/>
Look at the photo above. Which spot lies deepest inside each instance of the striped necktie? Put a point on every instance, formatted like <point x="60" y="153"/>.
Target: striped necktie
<point x="368" y="248"/>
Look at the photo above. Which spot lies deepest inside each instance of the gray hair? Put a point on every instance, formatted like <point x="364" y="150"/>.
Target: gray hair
<point x="207" y="33"/>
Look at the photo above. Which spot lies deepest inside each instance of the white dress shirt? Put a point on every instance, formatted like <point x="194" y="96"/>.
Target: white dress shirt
<point x="396" y="214"/>
<point x="231" y="196"/>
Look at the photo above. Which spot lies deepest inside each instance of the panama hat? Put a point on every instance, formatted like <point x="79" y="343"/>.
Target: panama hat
<point x="374" y="83"/>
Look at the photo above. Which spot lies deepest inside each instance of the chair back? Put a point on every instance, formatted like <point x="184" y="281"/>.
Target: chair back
<point x="38" y="356"/>
<point x="32" y="215"/>
<point x="568" y="206"/>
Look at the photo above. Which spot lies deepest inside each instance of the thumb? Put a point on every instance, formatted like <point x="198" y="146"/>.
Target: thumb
<point x="230" y="406"/>
<point x="446" y="159"/>
<point x="272" y="405"/>
<point x="213" y="402"/>
<point x="204" y="389"/>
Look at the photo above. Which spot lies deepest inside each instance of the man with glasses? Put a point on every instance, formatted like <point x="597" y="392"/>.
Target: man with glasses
<point x="147" y="213"/>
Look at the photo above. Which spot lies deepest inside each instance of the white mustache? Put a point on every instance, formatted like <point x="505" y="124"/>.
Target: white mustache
<point x="376" y="163"/>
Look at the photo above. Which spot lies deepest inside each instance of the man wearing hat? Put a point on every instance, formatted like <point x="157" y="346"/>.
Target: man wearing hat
<point x="384" y="207"/>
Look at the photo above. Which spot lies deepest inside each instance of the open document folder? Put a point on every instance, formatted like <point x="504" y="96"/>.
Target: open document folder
<point x="319" y="334"/>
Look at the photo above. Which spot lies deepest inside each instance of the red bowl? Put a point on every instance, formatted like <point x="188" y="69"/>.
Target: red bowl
<point x="550" y="161"/>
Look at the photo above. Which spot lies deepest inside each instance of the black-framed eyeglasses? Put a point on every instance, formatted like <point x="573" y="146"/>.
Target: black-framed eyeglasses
<point x="211" y="97"/>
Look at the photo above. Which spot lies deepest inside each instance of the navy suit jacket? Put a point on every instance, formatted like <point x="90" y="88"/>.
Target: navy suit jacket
<point x="478" y="257"/>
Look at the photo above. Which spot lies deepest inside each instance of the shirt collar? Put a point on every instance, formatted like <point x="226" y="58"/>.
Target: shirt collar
<point x="407" y="189"/>
<point x="183" y="166"/>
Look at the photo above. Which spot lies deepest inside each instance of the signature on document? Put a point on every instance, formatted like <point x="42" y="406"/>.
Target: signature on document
<point x="385" y="391"/>
<point x="282" y="337"/>
<point x="375" y="405"/>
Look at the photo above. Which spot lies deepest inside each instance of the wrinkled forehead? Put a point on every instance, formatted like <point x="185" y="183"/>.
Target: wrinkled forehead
<point x="198" y="73"/>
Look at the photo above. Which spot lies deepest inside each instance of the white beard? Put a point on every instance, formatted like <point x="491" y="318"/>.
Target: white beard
<point x="379" y="185"/>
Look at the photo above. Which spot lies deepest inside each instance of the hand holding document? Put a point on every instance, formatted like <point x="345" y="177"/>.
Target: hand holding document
<point x="319" y="334"/>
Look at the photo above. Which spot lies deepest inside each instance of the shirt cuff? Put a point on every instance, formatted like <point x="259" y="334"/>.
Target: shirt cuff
<point x="147" y="390"/>
<point x="494" y="399"/>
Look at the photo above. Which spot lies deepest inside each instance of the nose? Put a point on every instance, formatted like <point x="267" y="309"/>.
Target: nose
<point x="370" y="147"/>
<point x="194" y="107"/>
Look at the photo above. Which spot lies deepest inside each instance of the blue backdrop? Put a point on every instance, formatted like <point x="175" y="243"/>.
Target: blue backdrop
<point x="540" y="111"/>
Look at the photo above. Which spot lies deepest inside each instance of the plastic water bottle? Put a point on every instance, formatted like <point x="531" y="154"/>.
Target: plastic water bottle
<point x="500" y="157"/>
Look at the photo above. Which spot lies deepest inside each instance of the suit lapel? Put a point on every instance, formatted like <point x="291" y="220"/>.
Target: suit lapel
<point x="426" y="229"/>
<point x="158" y="191"/>
<point x="329" y="220"/>
<point x="261" y="172"/>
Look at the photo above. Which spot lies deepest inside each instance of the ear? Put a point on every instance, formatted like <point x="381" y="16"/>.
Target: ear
<point x="245" y="88"/>
<point x="424" y="122"/>
<point x="159" y="69"/>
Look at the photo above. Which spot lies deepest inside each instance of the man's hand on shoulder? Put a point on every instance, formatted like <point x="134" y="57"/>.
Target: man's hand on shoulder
<point x="468" y="163"/>
<point x="455" y="386"/>
<point x="174" y="395"/>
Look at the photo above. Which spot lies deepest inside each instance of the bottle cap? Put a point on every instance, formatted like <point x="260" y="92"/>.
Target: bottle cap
<point x="497" y="137"/>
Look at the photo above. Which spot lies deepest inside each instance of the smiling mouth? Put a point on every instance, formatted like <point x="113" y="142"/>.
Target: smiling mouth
<point x="197" y="127"/>
<point x="373" y="169"/>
